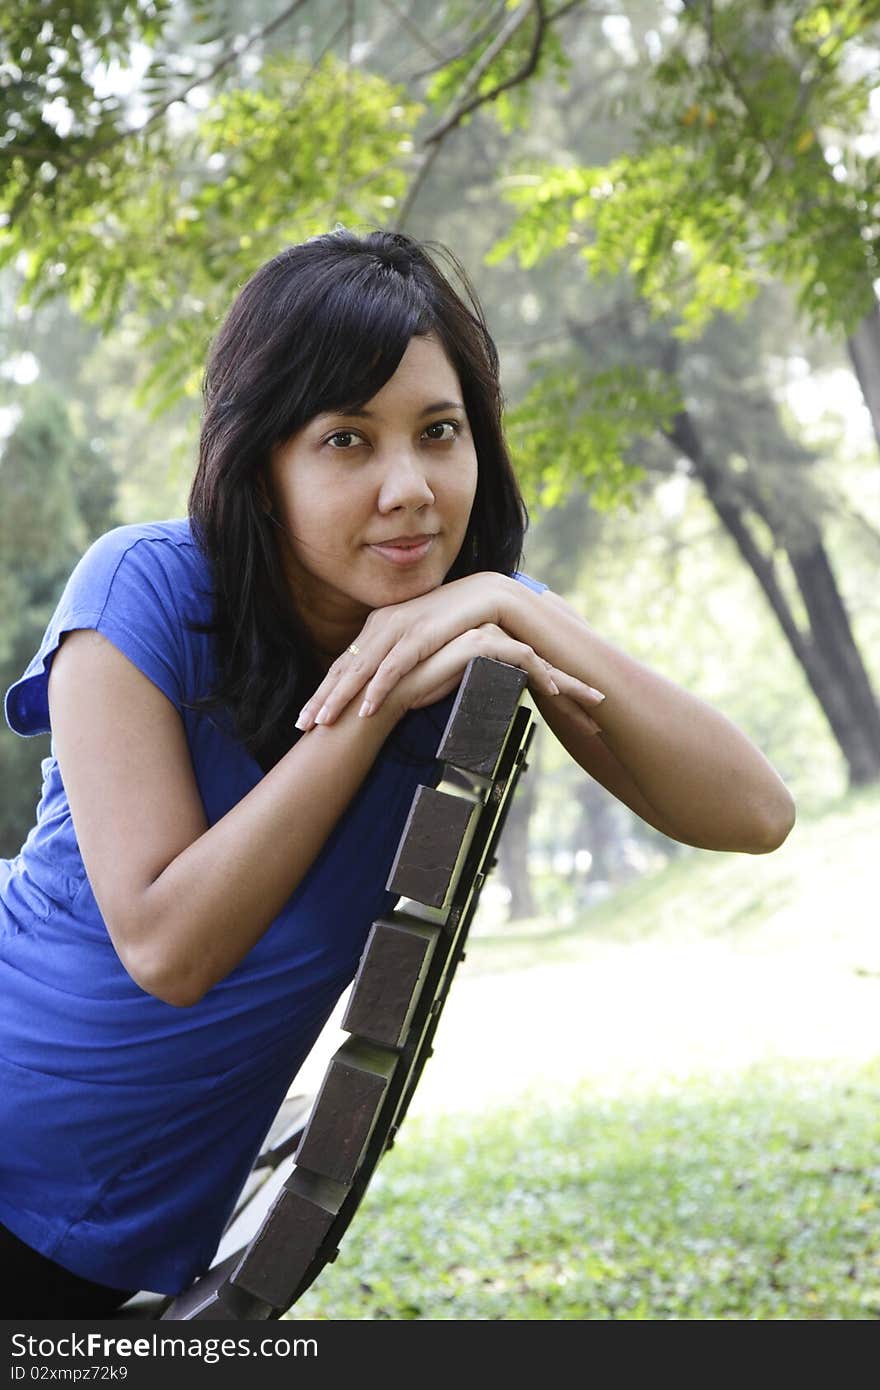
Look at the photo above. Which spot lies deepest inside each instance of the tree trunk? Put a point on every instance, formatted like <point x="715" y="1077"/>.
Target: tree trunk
<point x="864" y="353"/>
<point x="597" y="830"/>
<point x="830" y="625"/>
<point x="827" y="653"/>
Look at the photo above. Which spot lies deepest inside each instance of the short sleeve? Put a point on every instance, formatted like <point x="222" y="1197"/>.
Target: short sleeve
<point x="534" y="584"/>
<point x="123" y="587"/>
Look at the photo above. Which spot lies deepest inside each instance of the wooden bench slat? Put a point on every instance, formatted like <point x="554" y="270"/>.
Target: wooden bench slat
<point x="278" y="1259"/>
<point x="433" y="841"/>
<point x="346" y="1109"/>
<point x="389" y="980"/>
<point x="479" y="721"/>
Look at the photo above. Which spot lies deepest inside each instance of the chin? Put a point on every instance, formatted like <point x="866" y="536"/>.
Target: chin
<point x="406" y="587"/>
<point x="420" y="579"/>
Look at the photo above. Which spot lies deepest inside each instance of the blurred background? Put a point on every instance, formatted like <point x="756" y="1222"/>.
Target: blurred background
<point x="671" y="213"/>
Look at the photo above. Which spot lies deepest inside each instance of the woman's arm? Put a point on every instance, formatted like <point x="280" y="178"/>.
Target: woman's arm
<point x="674" y="760"/>
<point x="184" y="902"/>
<point x="678" y="763"/>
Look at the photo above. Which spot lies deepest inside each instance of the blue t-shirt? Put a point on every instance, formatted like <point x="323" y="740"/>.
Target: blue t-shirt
<point x="128" y="1126"/>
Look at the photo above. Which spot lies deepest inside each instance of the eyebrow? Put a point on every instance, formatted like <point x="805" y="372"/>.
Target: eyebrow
<point x="431" y="409"/>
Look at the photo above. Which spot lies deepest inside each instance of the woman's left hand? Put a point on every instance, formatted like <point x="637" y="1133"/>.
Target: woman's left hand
<point x="395" y="639"/>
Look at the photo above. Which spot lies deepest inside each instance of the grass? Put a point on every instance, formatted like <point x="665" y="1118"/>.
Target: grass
<point x="755" y="1201"/>
<point x="699" y="1141"/>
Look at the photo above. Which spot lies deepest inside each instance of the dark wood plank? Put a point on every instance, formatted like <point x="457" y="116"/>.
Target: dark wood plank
<point x="389" y="981"/>
<point x="479" y="721"/>
<point x="346" y="1110"/>
<point x="278" y="1259"/>
<point x="431" y="846"/>
<point x="212" y="1298"/>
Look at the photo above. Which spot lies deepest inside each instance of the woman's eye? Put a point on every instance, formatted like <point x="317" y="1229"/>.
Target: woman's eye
<point x="343" y="439"/>
<point x="443" y="430"/>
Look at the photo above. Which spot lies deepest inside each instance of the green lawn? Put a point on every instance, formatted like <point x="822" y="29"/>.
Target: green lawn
<point x="760" y="1200"/>
<point x="735" y="1179"/>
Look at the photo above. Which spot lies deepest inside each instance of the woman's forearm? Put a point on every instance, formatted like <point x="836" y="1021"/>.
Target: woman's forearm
<point x="705" y="782"/>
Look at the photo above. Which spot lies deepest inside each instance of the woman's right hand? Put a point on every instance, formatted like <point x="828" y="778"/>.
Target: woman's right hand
<point x="441" y="672"/>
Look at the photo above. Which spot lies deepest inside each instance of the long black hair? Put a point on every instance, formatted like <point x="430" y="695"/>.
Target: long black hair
<point x="319" y="328"/>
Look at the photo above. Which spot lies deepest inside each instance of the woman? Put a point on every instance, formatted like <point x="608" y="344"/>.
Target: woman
<point x="241" y="707"/>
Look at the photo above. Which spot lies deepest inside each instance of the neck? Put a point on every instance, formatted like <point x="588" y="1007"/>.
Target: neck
<point x="330" y="626"/>
<point x="329" y="632"/>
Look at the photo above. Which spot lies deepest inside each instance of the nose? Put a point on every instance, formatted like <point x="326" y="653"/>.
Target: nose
<point x="404" y="484"/>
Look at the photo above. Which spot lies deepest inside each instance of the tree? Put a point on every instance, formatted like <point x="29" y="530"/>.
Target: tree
<point x="644" y="219"/>
<point x="758" y="480"/>
<point x="749" y="162"/>
<point x="239" y="145"/>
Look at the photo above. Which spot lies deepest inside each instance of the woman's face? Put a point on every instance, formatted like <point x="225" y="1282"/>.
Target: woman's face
<point x="374" y="504"/>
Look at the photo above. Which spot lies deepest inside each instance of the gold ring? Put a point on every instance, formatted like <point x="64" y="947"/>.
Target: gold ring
<point x="354" y="648"/>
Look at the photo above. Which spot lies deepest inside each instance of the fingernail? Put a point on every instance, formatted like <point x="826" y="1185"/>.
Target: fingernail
<point x="321" y="716"/>
<point x="301" y="723"/>
<point x="596" y="694"/>
<point x="554" y="688"/>
<point x="365" y="709"/>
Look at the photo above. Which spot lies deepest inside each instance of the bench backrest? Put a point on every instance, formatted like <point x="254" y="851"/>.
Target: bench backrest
<point x="447" y="847"/>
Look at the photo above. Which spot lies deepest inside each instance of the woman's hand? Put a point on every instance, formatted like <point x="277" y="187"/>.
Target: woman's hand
<point x="403" y="636"/>
<point x="397" y="638"/>
<point x="441" y="672"/>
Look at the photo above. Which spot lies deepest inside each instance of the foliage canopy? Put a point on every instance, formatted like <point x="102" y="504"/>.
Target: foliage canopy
<point x="750" y="160"/>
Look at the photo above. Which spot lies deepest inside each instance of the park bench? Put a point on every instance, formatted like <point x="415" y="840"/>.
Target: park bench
<point x="321" y="1151"/>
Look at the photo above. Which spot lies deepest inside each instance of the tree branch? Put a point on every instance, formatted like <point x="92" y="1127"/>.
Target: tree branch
<point x="89" y="150"/>
<point x="471" y="98"/>
<point x="465" y="48"/>
<point x="416" y="32"/>
<point x="418" y="179"/>
<point x="183" y="93"/>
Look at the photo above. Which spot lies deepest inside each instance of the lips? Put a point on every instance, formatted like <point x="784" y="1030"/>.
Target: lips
<point x="403" y="550"/>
